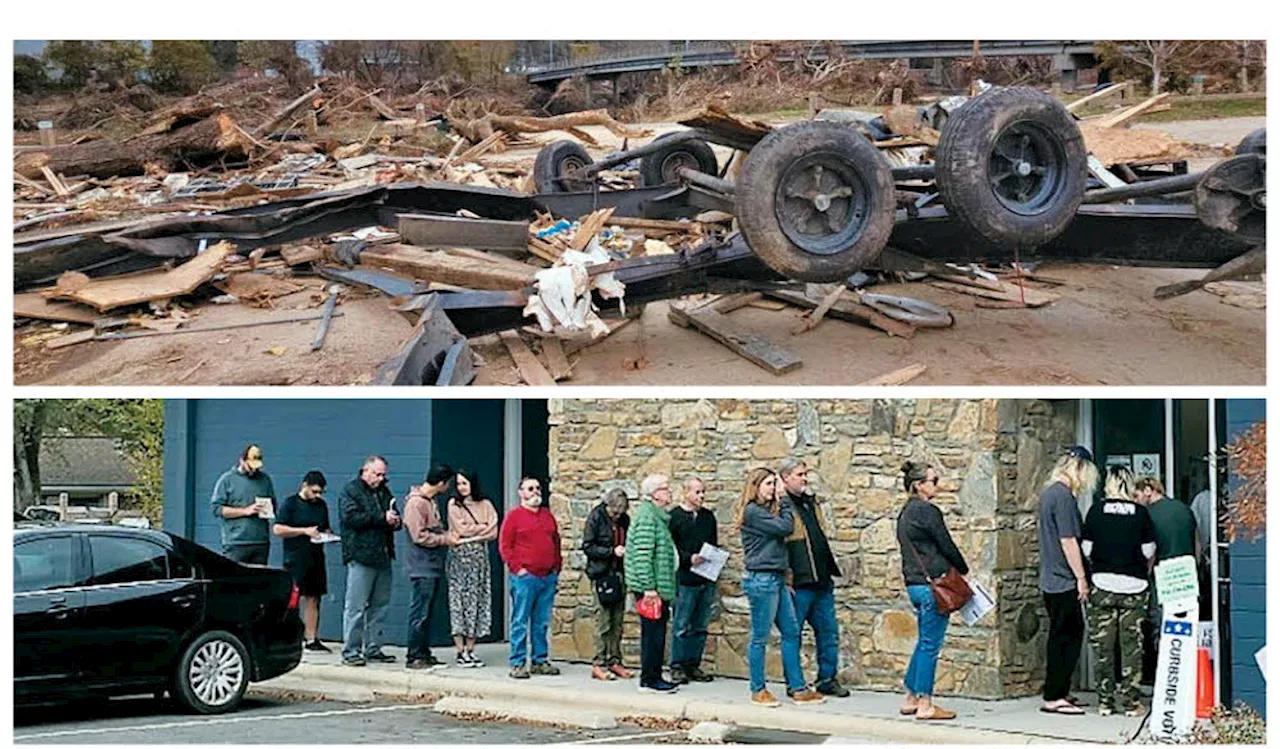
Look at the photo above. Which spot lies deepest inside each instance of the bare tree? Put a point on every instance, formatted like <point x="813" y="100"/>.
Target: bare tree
<point x="1152" y="55"/>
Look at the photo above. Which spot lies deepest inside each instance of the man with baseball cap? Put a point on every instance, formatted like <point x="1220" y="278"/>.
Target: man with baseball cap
<point x="243" y="501"/>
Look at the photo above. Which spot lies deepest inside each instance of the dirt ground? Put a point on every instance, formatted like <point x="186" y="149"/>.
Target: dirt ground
<point x="1105" y="330"/>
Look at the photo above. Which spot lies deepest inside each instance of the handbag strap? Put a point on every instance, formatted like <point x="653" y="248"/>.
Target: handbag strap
<point x="919" y="561"/>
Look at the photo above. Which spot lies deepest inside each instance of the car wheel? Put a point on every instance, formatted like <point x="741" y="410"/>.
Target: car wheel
<point x="659" y="168"/>
<point x="1255" y="142"/>
<point x="815" y="201"/>
<point x="1011" y="167"/>
<point x="213" y="673"/>
<point x="557" y="160"/>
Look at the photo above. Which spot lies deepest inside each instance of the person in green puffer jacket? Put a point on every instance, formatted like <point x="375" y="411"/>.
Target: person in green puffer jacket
<point x="649" y="567"/>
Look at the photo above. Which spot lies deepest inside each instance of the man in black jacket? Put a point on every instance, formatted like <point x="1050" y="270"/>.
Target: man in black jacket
<point x="812" y="568"/>
<point x="369" y="521"/>
<point x="692" y="525"/>
<point x="604" y="542"/>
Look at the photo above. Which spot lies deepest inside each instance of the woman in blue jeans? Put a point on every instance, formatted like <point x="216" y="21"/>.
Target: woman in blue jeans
<point x="927" y="552"/>
<point x="764" y="518"/>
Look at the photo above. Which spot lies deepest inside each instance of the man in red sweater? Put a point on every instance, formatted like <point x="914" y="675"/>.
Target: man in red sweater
<point x="529" y="544"/>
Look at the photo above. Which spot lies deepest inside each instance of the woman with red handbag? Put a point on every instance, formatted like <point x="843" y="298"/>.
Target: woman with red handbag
<point x="764" y="518"/>
<point x="931" y="567"/>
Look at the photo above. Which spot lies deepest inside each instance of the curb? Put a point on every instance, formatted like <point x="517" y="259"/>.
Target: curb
<point x="335" y="680"/>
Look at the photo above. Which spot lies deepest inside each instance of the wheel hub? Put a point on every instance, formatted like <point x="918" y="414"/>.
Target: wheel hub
<point x="1026" y="169"/>
<point x="821" y="203"/>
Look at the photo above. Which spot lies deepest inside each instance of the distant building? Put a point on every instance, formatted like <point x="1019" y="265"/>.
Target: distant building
<point x="86" y="469"/>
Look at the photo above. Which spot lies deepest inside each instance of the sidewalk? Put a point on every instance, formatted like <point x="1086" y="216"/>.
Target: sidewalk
<point x="866" y="714"/>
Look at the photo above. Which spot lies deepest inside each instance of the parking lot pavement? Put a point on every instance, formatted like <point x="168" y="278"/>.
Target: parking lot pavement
<point x="271" y="720"/>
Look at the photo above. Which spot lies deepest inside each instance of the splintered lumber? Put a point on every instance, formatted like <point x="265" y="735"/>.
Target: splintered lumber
<point x="58" y="188"/>
<point x="849" y="310"/>
<point x="726" y="304"/>
<point x="557" y="361"/>
<point x="905" y="120"/>
<point x="1096" y="95"/>
<point x="743" y="342"/>
<point x="814" y="319"/>
<point x="34" y="306"/>
<point x="1127" y="146"/>
<point x="544" y="249"/>
<point x="300" y="255"/>
<point x="896" y="377"/>
<point x="384" y="111"/>
<point x="454" y="231"/>
<point x="257" y="288"/>
<point x="202" y="141"/>
<point x="477" y="130"/>
<point x="531" y="370"/>
<point x="497" y="141"/>
<point x="80" y="336"/>
<point x="1124" y="115"/>
<point x="574" y="345"/>
<point x="742" y="133"/>
<point x="589" y="227"/>
<point x="278" y="118"/>
<point x="443" y="267"/>
<point x="1032" y="297"/>
<point x="656" y="224"/>
<point x="110" y="293"/>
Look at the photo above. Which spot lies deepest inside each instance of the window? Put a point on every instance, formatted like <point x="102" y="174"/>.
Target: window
<point x="179" y="568"/>
<point x="44" y="564"/>
<point x="126" y="560"/>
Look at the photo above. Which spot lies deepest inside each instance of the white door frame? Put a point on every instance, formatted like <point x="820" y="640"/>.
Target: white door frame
<point x="1214" y="551"/>
<point x="512" y="470"/>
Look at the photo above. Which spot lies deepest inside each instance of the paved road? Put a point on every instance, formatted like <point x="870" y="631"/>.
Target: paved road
<point x="263" y="720"/>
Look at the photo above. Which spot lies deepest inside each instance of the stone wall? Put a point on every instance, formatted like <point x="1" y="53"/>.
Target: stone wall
<point x="991" y="456"/>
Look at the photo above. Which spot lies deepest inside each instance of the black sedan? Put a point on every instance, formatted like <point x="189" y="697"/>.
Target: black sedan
<point x="104" y="610"/>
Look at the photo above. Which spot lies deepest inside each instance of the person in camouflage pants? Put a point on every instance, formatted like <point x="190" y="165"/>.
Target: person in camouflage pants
<point x="1115" y="633"/>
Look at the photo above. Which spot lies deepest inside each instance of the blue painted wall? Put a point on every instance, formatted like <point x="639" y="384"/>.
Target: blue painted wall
<point x="1248" y="584"/>
<point x="204" y="437"/>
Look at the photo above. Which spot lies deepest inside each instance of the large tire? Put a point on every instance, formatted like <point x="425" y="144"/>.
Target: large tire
<point x="556" y="160"/>
<point x="659" y="168"/>
<point x="1012" y="166"/>
<point x="212" y="674"/>
<point x="1255" y="142"/>
<point x="815" y="201"/>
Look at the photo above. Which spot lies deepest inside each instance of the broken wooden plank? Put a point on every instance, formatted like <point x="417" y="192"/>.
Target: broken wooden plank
<point x="1124" y="115"/>
<point x="439" y="232"/>
<point x="629" y="222"/>
<point x="442" y="267"/>
<point x="34" y="306"/>
<point x="849" y="310"/>
<point x="1096" y="95"/>
<point x="266" y="128"/>
<point x="574" y="345"/>
<point x="80" y="336"/>
<point x="589" y="227"/>
<point x="815" y="316"/>
<point x="531" y="370"/>
<point x="544" y="250"/>
<point x="384" y="111"/>
<point x="110" y="293"/>
<point x="557" y="361"/>
<point x="58" y="188"/>
<point x="773" y="305"/>
<point x="896" y="377"/>
<point x="726" y="304"/>
<point x="743" y="342"/>
<point x="300" y="255"/>
<point x="739" y="131"/>
<point x="1032" y="297"/>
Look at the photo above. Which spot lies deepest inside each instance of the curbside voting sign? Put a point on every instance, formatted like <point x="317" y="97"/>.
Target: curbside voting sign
<point x="1173" y="708"/>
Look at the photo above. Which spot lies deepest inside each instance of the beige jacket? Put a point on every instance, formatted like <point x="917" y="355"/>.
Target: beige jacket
<point x="482" y="527"/>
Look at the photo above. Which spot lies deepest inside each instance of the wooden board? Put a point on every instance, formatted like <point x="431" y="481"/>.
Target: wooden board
<point x="849" y="310"/>
<point x="557" y="361"/>
<point x="34" y="306"/>
<point x="1011" y="293"/>
<point x="299" y="255"/>
<point x="80" y="336"/>
<point x="454" y="231"/>
<point x="726" y="304"/>
<point x="442" y="267"/>
<point x="743" y="342"/>
<point x="110" y="293"/>
<point x="614" y="324"/>
<point x="589" y="227"/>
<point x="531" y="370"/>
<point x="896" y="377"/>
<point x="814" y="319"/>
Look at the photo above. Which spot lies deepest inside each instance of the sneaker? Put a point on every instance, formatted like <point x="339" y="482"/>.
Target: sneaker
<point x="620" y="671"/>
<point x="474" y="659"/>
<point x="807" y="697"/>
<point x="461" y="660"/>
<point x="764" y="699"/>
<point x="660" y="687"/>
<point x="697" y="674"/>
<point x="544" y="669"/>
<point x="519" y="672"/>
<point x="678" y="675"/>
<point x="1135" y="711"/>
<point x="832" y="688"/>
<point x="417" y="664"/>
<point x="318" y="647"/>
<point x="380" y="657"/>
<point x="1105" y="710"/>
<point x="356" y="661"/>
<point x="600" y="674"/>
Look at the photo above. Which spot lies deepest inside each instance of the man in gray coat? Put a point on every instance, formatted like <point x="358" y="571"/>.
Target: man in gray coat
<point x="243" y="501"/>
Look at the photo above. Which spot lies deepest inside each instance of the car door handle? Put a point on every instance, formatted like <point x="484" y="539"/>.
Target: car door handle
<point x="58" y="608"/>
<point x="184" y="601"/>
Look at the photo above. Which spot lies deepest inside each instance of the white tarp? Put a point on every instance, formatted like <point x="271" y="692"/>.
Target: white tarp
<point x="563" y="299"/>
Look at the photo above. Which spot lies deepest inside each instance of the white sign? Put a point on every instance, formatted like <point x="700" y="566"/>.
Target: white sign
<point x="1173" y="706"/>
<point x="713" y="559"/>
<point x="1177" y="585"/>
<point x="1120" y="460"/>
<point x="978" y="606"/>
<point x="1146" y="464"/>
<point x="1261" y="658"/>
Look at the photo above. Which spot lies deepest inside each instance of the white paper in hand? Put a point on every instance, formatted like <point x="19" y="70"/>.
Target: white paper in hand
<point x="325" y="537"/>
<point x="266" y="510"/>
<point x="978" y="606"/>
<point x="713" y="559"/>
